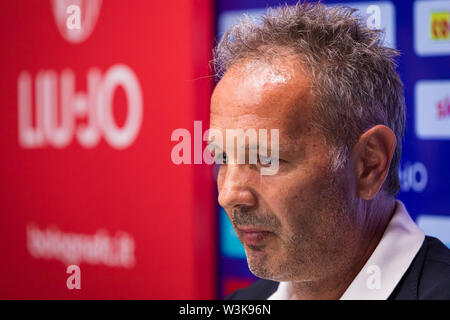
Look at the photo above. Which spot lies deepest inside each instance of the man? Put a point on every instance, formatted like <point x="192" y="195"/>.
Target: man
<point x="327" y="224"/>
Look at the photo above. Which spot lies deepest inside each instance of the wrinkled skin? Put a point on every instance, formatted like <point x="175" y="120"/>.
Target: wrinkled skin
<point x="317" y="233"/>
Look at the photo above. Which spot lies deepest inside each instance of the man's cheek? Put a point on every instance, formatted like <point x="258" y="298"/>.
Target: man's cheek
<point x="219" y="180"/>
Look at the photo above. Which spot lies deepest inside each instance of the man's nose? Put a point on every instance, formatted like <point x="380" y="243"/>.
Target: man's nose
<point x="235" y="190"/>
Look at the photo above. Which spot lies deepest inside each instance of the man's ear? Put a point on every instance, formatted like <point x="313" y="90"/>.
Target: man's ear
<point x="372" y="156"/>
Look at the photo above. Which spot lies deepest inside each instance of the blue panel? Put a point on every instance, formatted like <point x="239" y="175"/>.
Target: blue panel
<point x="230" y="246"/>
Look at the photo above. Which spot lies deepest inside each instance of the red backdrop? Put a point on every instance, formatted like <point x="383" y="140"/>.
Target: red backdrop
<point x="86" y="174"/>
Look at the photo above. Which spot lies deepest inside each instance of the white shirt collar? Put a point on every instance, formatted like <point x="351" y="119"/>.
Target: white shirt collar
<point x="382" y="272"/>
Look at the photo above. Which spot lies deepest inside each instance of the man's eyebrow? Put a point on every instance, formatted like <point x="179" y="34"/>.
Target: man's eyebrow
<point x="281" y="147"/>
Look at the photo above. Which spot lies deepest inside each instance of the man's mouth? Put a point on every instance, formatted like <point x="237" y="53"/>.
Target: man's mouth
<point x="253" y="236"/>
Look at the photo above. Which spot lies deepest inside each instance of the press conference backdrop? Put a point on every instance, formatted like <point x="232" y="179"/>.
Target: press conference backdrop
<point x="86" y="122"/>
<point x="421" y="31"/>
<point x="91" y="204"/>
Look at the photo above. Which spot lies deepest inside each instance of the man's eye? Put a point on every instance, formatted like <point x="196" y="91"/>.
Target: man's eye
<point x="221" y="158"/>
<point x="265" y="160"/>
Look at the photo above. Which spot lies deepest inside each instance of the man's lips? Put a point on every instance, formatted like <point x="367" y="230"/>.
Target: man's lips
<point x="253" y="236"/>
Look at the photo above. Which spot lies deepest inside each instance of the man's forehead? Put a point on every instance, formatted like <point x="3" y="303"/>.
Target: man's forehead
<point x="252" y="81"/>
<point x="264" y="94"/>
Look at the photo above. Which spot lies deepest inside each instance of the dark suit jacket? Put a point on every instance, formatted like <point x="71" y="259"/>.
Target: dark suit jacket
<point x="428" y="277"/>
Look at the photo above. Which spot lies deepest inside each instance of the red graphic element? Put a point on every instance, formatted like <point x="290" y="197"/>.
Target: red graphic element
<point x="443" y="108"/>
<point x="233" y="284"/>
<point x="440" y="28"/>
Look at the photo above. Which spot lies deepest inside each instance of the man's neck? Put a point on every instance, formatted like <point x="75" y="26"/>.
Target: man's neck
<point x="334" y="285"/>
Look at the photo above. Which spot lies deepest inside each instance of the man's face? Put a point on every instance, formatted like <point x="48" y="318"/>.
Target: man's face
<point x="295" y="225"/>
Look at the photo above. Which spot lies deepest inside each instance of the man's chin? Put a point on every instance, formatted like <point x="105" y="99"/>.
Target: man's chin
<point x="269" y="265"/>
<point x="255" y="248"/>
<point x="259" y="261"/>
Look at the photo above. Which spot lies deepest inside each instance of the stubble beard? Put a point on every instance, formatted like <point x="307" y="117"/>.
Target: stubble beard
<point x="306" y="257"/>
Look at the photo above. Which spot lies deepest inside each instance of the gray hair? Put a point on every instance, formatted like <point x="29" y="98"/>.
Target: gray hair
<point x="353" y="74"/>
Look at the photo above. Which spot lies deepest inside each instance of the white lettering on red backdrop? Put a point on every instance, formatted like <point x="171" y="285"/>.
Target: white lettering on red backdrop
<point x="96" y="105"/>
<point x="75" y="248"/>
<point x="52" y="122"/>
<point x="49" y="107"/>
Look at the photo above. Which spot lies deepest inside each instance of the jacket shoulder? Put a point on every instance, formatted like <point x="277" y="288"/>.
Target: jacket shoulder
<point x="428" y="276"/>
<point x="437" y="251"/>
<point x="259" y="290"/>
<point x="435" y="279"/>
